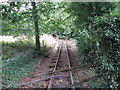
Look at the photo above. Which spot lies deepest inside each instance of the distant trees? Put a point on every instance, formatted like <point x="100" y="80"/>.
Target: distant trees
<point x="45" y="17"/>
<point x="17" y="15"/>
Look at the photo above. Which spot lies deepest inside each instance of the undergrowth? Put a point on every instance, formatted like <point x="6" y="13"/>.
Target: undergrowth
<point x="9" y="49"/>
<point x="18" y="59"/>
<point x="20" y="66"/>
<point x="101" y="47"/>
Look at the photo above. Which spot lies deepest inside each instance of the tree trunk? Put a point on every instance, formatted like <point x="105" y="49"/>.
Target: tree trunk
<point x="34" y="12"/>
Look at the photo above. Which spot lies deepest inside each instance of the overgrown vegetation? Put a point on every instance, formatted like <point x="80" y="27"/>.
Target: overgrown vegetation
<point x="10" y="49"/>
<point x="17" y="67"/>
<point x="108" y="49"/>
<point x="18" y="59"/>
<point x="95" y="26"/>
<point x="98" y="35"/>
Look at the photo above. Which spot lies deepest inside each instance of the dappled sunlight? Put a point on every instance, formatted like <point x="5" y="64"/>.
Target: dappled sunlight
<point x="13" y="39"/>
<point x="7" y="38"/>
<point x="49" y="40"/>
<point x="81" y="39"/>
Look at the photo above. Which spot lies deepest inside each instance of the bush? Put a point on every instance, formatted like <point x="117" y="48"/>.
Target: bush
<point x="107" y="30"/>
<point x="86" y="48"/>
<point x="101" y="46"/>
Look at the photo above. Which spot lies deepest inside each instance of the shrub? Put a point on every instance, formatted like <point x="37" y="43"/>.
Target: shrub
<point x="100" y="45"/>
<point x="107" y="29"/>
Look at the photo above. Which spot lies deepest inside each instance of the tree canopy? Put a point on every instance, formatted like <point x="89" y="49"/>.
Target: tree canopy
<point x="95" y="26"/>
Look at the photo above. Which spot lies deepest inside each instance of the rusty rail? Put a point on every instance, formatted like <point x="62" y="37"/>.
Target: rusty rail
<point x="50" y="82"/>
<point x="68" y="58"/>
<point x="69" y="66"/>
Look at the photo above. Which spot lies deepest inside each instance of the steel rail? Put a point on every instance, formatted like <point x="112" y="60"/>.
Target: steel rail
<point x="69" y="63"/>
<point x="69" y="66"/>
<point x="50" y="82"/>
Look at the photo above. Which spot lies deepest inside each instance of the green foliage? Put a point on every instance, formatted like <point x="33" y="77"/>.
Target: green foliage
<point x="98" y="83"/>
<point x="16" y="21"/>
<point x="15" y="68"/>
<point x="98" y="35"/>
<point x="84" y="10"/>
<point x="107" y="28"/>
<point x="86" y="48"/>
<point x="96" y="27"/>
<point x="9" y="49"/>
<point x="101" y="47"/>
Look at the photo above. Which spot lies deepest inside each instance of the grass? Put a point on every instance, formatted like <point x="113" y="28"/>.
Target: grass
<point x="9" y="49"/>
<point x="18" y="67"/>
<point x="18" y="59"/>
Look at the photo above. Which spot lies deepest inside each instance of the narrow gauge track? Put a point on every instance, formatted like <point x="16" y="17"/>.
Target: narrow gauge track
<point x="61" y="61"/>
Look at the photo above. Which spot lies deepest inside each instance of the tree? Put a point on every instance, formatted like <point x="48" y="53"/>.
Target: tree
<point x="84" y="11"/>
<point x="34" y="12"/>
<point x="98" y="39"/>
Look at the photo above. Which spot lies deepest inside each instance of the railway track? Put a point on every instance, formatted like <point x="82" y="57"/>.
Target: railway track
<point x="61" y="61"/>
